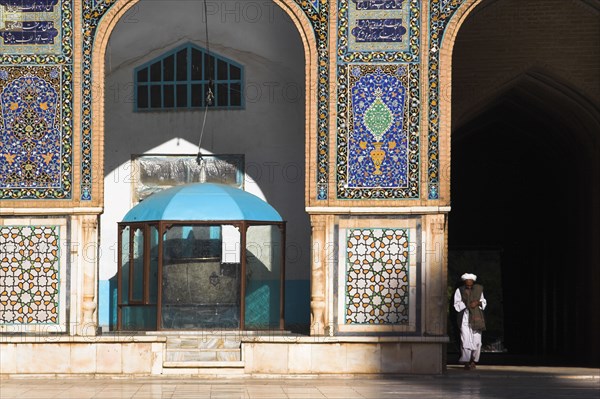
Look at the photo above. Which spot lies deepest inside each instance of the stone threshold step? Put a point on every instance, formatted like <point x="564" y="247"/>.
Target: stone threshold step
<point x="183" y="349"/>
<point x="207" y="364"/>
<point x="204" y="333"/>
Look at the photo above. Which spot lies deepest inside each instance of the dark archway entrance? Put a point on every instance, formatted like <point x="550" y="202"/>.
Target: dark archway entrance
<point x="525" y="182"/>
<point x="521" y="190"/>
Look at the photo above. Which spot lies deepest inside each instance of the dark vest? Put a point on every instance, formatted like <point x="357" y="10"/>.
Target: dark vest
<point x="476" y="318"/>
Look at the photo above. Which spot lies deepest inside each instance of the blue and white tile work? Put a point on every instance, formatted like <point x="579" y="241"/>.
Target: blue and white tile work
<point x="440" y="13"/>
<point x="378" y="136"/>
<point x="37" y="34"/>
<point x="378" y="161"/>
<point x="377" y="280"/>
<point x="35" y="132"/>
<point x="29" y="23"/>
<point x="36" y="101"/>
<point x="36" y="31"/>
<point x="379" y="30"/>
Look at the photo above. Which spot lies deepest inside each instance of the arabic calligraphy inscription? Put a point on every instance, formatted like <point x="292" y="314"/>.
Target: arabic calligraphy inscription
<point x="375" y="25"/>
<point x="379" y="30"/>
<point x="27" y="25"/>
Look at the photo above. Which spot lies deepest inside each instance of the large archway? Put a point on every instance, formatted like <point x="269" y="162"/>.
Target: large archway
<point x="268" y="170"/>
<point x="118" y="11"/>
<point x="525" y="172"/>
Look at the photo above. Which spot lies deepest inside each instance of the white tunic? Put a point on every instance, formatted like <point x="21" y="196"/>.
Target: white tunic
<point x="471" y="340"/>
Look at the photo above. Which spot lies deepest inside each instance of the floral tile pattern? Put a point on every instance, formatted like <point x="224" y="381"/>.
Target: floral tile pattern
<point x="29" y="271"/>
<point x="35" y="132"/>
<point x="373" y="36"/>
<point x="378" y="131"/>
<point x="36" y="101"/>
<point x="377" y="276"/>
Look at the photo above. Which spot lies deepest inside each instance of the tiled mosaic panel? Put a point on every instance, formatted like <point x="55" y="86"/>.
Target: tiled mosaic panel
<point x="377" y="276"/>
<point x="35" y="31"/>
<point x="378" y="131"/>
<point x="440" y="13"/>
<point x="378" y="140"/>
<point x="29" y="274"/>
<point x="378" y="30"/>
<point x="317" y="12"/>
<point x="35" y="132"/>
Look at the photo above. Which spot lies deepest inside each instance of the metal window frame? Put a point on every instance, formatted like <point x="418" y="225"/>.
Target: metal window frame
<point x="189" y="81"/>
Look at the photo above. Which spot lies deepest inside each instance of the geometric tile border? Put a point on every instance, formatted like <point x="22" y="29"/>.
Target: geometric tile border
<point x="440" y="13"/>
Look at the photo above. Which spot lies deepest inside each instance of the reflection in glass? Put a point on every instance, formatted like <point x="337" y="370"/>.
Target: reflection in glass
<point x="200" y="290"/>
<point x="263" y="277"/>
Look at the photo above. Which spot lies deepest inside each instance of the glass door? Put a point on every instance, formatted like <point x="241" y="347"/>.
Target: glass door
<point x="201" y="277"/>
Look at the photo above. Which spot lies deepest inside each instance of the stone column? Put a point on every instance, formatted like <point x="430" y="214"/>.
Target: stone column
<point x="317" y="278"/>
<point x="89" y="264"/>
<point x="435" y="273"/>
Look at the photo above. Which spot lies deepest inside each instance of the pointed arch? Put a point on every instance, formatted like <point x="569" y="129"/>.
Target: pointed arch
<point x="567" y="123"/>
<point x="103" y="32"/>
<point x="539" y="90"/>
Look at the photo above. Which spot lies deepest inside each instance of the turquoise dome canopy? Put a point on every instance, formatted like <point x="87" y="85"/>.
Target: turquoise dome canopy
<point x="202" y="202"/>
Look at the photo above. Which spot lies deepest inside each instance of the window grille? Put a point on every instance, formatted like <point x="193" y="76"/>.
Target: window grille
<point x="179" y="79"/>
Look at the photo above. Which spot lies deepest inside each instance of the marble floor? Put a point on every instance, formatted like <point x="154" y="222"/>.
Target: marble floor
<point x="486" y="382"/>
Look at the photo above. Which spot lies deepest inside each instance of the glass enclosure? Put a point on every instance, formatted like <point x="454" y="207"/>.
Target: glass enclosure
<point x="264" y="273"/>
<point x="200" y="275"/>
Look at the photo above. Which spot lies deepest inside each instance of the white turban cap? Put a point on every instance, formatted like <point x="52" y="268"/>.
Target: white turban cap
<point x="468" y="276"/>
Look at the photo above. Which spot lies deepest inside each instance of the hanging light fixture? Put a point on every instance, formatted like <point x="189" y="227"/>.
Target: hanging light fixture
<point x="209" y="98"/>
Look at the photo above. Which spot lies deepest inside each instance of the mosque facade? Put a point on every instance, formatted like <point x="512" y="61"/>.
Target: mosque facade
<point x="340" y="115"/>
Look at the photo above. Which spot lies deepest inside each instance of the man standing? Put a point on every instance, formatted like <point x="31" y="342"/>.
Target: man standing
<point x="470" y="303"/>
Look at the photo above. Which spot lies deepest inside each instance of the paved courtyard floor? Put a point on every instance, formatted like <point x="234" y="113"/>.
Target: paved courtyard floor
<point x="492" y="382"/>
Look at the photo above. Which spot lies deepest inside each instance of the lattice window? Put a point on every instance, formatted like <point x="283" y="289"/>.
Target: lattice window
<point x="180" y="78"/>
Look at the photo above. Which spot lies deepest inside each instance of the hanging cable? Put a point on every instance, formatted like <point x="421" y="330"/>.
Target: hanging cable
<point x="209" y="94"/>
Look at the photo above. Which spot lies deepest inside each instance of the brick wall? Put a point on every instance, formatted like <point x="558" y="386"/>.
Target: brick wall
<point x="502" y="39"/>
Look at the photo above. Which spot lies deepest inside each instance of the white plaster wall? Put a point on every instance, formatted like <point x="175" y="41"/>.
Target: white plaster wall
<point x="269" y="131"/>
